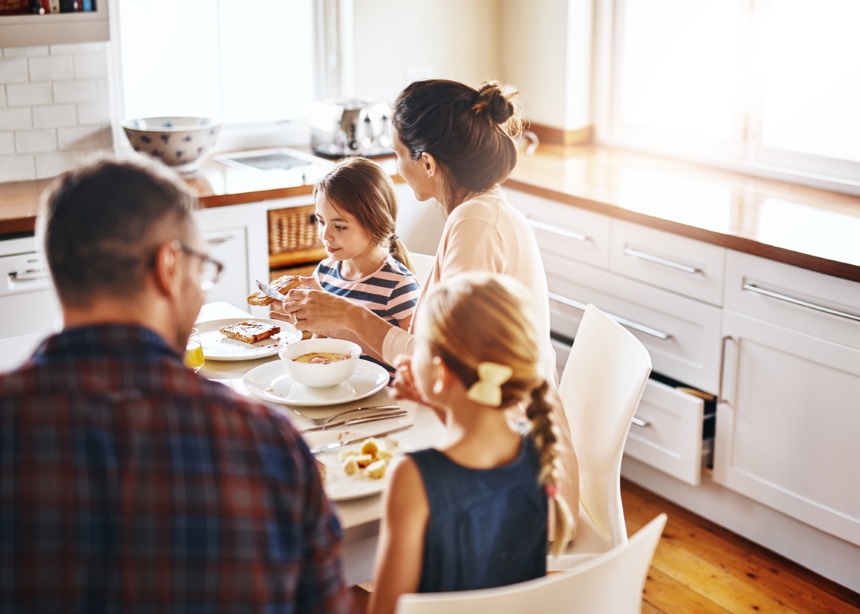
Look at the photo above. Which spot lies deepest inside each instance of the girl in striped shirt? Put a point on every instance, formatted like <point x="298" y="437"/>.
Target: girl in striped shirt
<point x="356" y="212"/>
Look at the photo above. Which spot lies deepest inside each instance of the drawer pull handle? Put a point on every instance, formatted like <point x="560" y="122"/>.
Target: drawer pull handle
<point x="221" y="239"/>
<point x="28" y="275"/>
<point x="635" y="253"/>
<point x="653" y="332"/>
<point x="561" y="232"/>
<point x="751" y="287"/>
<point x="639" y="422"/>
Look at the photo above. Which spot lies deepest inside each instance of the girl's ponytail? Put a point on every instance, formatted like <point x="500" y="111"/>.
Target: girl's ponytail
<point x="539" y="412"/>
<point x="397" y="249"/>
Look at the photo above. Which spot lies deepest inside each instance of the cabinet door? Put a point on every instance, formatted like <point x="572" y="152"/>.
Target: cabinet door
<point x="230" y="246"/>
<point x="788" y="423"/>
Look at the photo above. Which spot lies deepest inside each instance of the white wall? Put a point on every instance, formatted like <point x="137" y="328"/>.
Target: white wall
<point x="400" y="41"/>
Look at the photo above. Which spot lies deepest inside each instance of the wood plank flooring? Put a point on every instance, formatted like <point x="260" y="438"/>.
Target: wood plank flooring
<point x="701" y="568"/>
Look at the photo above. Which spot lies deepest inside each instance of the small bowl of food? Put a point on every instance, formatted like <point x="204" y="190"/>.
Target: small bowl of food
<point x="177" y="141"/>
<point x="321" y="363"/>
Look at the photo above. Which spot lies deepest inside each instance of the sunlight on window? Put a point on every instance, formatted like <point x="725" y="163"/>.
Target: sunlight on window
<point x="703" y="204"/>
<point x="238" y="61"/>
<point x="679" y="65"/>
<point x="812" y="90"/>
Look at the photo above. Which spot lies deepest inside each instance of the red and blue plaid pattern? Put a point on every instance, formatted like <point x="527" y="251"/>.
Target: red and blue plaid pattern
<point x="128" y="483"/>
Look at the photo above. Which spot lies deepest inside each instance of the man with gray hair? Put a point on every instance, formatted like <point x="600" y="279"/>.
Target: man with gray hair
<point x="127" y="481"/>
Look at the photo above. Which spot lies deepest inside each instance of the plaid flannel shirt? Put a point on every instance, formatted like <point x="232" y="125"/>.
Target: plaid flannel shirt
<point x="130" y="484"/>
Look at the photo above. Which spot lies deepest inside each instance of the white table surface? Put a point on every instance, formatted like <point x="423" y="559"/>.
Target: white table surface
<point x="359" y="518"/>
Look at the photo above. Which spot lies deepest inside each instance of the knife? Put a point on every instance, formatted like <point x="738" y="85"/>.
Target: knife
<point x="267" y="290"/>
<point x="346" y="442"/>
<point x="351" y="421"/>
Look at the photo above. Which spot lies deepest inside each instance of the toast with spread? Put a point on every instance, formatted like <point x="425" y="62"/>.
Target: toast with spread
<point x="282" y="284"/>
<point x="250" y="332"/>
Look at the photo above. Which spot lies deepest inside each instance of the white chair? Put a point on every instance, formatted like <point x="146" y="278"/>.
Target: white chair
<point x="610" y="582"/>
<point x="600" y="387"/>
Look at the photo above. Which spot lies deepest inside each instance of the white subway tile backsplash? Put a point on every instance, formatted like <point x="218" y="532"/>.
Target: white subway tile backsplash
<point x="89" y="137"/>
<point x="7" y="143"/>
<point x="24" y="52"/>
<point x="55" y="108"/>
<point x="51" y="68"/>
<point x="17" y="168"/>
<point x="35" y="141"/>
<point x="52" y="164"/>
<point x="16" y="118"/>
<point x="73" y="48"/>
<point x="13" y="70"/>
<point x="55" y="116"/>
<point x="93" y="113"/>
<point x="76" y="91"/>
<point x="91" y="66"/>
<point x="28" y="94"/>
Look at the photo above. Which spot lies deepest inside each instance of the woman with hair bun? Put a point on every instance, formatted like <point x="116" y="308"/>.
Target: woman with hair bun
<point x="455" y="144"/>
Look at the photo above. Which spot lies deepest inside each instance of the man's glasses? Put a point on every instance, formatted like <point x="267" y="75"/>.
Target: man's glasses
<point x="211" y="269"/>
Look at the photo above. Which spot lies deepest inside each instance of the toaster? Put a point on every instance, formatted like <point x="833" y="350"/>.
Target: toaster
<point x="350" y="127"/>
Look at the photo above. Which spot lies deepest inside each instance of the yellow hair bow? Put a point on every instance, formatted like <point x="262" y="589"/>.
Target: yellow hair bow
<point x="488" y="389"/>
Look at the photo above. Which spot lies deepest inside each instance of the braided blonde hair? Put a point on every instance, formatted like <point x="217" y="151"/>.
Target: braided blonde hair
<point x="475" y="318"/>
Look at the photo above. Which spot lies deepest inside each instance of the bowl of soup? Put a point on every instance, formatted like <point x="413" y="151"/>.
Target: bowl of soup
<point x="321" y="363"/>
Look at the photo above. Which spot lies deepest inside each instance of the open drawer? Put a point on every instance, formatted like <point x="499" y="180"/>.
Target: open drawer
<point x="668" y="429"/>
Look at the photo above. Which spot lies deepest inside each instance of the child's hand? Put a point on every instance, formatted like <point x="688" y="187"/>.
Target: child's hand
<point x="310" y="282"/>
<point x="404" y="386"/>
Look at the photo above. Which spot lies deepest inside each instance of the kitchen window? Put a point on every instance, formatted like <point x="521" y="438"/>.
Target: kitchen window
<point x="249" y="64"/>
<point x="765" y="86"/>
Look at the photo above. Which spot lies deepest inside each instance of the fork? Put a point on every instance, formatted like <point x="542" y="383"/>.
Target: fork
<point x="381" y="409"/>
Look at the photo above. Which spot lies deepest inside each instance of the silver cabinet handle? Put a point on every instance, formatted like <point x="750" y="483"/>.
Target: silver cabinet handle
<point x="221" y="239"/>
<point x="561" y="232"/>
<point x="28" y="275"/>
<point x="751" y="287"/>
<point x="722" y="375"/>
<point x="640" y="255"/>
<point x="639" y="422"/>
<point x="653" y="332"/>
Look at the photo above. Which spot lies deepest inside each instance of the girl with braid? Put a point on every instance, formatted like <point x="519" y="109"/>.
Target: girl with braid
<point x="472" y="513"/>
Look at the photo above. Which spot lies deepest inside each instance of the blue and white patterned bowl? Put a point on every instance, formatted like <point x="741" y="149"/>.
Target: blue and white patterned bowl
<point x="179" y="142"/>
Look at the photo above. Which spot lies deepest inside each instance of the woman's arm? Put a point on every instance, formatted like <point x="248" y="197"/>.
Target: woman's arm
<point x="401" y="540"/>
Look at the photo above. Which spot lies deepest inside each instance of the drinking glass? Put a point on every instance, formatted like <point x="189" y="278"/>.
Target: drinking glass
<point x="194" y="351"/>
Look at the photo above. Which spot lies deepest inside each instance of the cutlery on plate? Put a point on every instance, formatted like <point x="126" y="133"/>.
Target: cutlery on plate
<point x="268" y="291"/>
<point x="374" y="418"/>
<point x="346" y="442"/>
<point x="328" y="419"/>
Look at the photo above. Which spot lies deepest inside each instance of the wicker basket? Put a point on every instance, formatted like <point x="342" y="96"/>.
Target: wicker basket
<point x="292" y="230"/>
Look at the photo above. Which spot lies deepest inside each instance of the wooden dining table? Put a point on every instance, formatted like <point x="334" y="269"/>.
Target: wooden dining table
<point x="359" y="517"/>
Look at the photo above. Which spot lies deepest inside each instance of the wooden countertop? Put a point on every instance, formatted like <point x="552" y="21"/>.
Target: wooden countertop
<point x="807" y="227"/>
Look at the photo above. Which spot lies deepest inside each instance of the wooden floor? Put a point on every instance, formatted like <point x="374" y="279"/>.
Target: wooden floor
<point x="700" y="567"/>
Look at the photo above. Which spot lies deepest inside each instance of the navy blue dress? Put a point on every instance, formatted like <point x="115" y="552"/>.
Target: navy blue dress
<point x="487" y="527"/>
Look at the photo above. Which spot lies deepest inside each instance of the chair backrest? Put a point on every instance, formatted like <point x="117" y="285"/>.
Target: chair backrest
<point x="610" y="582"/>
<point x="600" y="387"/>
<point x="423" y="264"/>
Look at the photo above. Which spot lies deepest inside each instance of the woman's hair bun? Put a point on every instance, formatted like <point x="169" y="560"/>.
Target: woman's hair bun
<point x="494" y="103"/>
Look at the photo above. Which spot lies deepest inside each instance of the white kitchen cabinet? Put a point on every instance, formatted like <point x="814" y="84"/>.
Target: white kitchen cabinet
<point x="419" y="224"/>
<point x="56" y="28"/>
<point x="28" y="303"/>
<point x="237" y="236"/>
<point x="789" y="415"/>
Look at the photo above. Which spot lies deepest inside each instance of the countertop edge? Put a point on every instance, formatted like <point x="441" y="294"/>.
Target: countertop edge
<point x="806" y="261"/>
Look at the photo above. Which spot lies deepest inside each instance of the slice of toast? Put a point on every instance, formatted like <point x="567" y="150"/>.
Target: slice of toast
<point x="249" y="332"/>
<point x="282" y="284"/>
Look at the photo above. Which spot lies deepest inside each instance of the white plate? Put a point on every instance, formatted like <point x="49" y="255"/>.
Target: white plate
<point x="342" y="487"/>
<point x="271" y="382"/>
<point x="217" y="346"/>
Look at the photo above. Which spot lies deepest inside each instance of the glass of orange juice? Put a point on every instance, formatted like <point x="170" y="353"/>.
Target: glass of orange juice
<point x="194" y="351"/>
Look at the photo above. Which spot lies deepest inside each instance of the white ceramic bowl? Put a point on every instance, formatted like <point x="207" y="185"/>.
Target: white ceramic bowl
<point x="179" y="142"/>
<point x="316" y="375"/>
